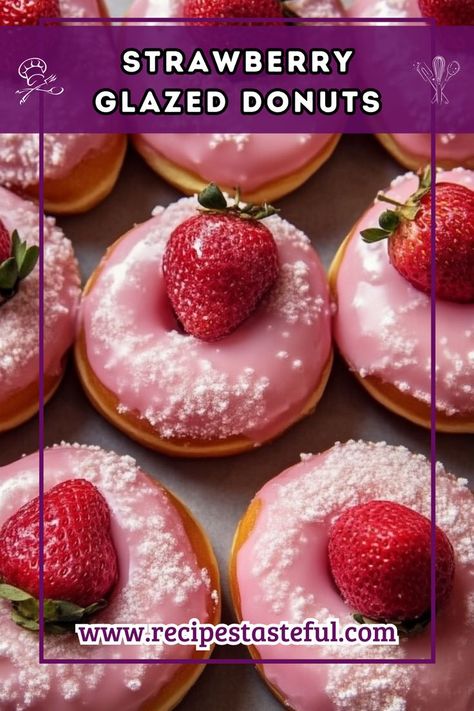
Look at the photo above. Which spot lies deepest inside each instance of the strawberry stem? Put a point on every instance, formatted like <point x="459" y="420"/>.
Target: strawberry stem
<point x="213" y="200"/>
<point x="390" y="219"/>
<point x="384" y="198"/>
<point x="60" y="616"/>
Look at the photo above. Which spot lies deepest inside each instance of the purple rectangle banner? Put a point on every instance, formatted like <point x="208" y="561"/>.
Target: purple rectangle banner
<point x="321" y="79"/>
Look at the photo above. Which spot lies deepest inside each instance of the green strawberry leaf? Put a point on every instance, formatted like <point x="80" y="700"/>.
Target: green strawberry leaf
<point x="8" y="274"/>
<point x="374" y="234"/>
<point x="29" y="261"/>
<point x="212" y="198"/>
<point x="27" y="608"/>
<point x="389" y="220"/>
<point x="59" y="615"/>
<point x="13" y="594"/>
<point x="18" y="248"/>
<point x="31" y="625"/>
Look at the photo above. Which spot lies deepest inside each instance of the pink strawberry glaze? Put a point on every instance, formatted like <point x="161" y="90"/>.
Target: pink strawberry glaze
<point x="456" y="147"/>
<point x="283" y="574"/>
<point x="19" y="344"/>
<point x="248" y="160"/>
<point x="382" y="325"/>
<point x="254" y="382"/>
<point x="160" y="582"/>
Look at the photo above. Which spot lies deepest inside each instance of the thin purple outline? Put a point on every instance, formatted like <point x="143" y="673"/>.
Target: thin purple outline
<point x="213" y="661"/>
<point x="41" y="378"/>
<point x="433" y="370"/>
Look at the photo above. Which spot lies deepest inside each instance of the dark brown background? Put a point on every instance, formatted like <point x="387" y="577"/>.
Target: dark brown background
<point x="218" y="491"/>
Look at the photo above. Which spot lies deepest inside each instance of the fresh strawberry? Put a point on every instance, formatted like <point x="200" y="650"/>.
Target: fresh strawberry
<point x="380" y="553"/>
<point x="17" y="261"/>
<point x="5" y="243"/>
<point x="408" y="229"/>
<point x="233" y="8"/>
<point x="80" y="561"/>
<point x="27" y="12"/>
<point x="448" y="12"/>
<point x="219" y="264"/>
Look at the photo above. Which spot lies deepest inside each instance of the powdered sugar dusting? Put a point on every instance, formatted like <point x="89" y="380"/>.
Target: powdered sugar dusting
<point x="384" y="8"/>
<point x="310" y="8"/>
<point x="19" y="165"/>
<point x="79" y="8"/>
<point x="159" y="581"/>
<point x="292" y="297"/>
<point x="239" y="139"/>
<point x="19" y="340"/>
<point x="184" y="387"/>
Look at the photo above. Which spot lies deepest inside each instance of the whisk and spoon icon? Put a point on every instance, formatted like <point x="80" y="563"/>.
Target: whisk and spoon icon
<point x="438" y="76"/>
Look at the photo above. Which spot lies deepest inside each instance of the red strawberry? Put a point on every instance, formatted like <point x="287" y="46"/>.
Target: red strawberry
<point x="380" y="555"/>
<point x="233" y="8"/>
<point x="27" y="12"/>
<point x="218" y="265"/>
<point x="80" y="562"/>
<point x="448" y="12"/>
<point x="5" y="243"/>
<point x="408" y="229"/>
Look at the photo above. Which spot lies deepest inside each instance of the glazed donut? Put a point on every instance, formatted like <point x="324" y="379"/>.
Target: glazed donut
<point x="265" y="166"/>
<point x="185" y="396"/>
<point x="80" y="169"/>
<point x="382" y="327"/>
<point x="19" y="340"/>
<point x="167" y="574"/>
<point x="280" y="571"/>
<point x="413" y="150"/>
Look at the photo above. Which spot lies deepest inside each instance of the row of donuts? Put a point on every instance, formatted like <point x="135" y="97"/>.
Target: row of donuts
<point x="122" y="550"/>
<point x="207" y="329"/>
<point x="81" y="169"/>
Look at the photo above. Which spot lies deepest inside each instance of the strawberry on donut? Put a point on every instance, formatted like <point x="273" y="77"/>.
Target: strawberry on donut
<point x="19" y="307"/>
<point x="206" y="330"/>
<point x="345" y="536"/>
<point x="119" y="550"/>
<point x="381" y="279"/>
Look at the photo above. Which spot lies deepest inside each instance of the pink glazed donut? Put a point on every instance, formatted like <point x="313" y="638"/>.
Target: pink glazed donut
<point x="19" y="340"/>
<point x="80" y="169"/>
<point x="280" y="571"/>
<point x="413" y="150"/>
<point x="383" y="326"/>
<point x="167" y="574"/>
<point x="188" y="397"/>
<point x="264" y="166"/>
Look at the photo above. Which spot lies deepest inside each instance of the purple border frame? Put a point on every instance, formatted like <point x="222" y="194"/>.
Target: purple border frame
<point x="250" y="661"/>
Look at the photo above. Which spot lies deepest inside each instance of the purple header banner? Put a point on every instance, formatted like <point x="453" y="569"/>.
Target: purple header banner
<point x="283" y="78"/>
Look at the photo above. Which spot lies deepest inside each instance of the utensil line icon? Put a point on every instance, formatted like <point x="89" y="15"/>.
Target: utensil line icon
<point x="438" y="76"/>
<point x="33" y="71"/>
